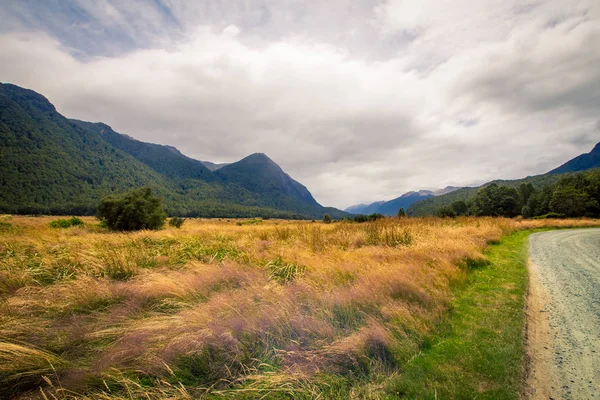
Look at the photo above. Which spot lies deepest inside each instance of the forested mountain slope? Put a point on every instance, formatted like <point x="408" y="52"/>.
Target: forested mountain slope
<point x="432" y="205"/>
<point x="52" y="165"/>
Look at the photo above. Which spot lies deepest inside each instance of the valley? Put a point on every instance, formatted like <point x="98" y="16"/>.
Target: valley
<point x="244" y="308"/>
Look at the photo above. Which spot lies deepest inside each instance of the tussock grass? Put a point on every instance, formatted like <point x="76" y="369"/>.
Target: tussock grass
<point x="23" y="365"/>
<point x="219" y="309"/>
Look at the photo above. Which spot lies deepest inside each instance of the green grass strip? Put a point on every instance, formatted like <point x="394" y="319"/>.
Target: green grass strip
<point x="481" y="355"/>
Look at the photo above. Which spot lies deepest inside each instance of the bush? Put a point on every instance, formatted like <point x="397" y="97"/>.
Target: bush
<point x="176" y="222"/>
<point x="131" y="211"/>
<point x="401" y="213"/>
<point x="368" y="218"/>
<point x="326" y="219"/>
<point x="66" y="223"/>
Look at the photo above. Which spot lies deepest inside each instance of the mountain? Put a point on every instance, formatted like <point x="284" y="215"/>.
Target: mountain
<point x="165" y="160"/>
<point x="257" y="172"/>
<point x="391" y="207"/>
<point x="52" y="165"/>
<point x="581" y="163"/>
<point x="364" y="208"/>
<point x="48" y="164"/>
<point x="406" y="200"/>
<point x="212" y="166"/>
<point x="446" y="190"/>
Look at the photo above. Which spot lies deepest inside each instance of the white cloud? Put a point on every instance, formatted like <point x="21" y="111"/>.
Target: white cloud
<point x="405" y="96"/>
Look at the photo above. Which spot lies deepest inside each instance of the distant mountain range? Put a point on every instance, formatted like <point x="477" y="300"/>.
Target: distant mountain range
<point x="52" y="165"/>
<point x="391" y="207"/>
<point x="582" y="162"/>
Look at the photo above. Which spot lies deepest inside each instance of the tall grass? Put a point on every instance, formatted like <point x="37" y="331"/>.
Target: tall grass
<point x="282" y="309"/>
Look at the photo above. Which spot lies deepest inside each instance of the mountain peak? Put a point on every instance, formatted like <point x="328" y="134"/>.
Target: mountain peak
<point x="27" y="98"/>
<point x="258" y="172"/>
<point x="581" y="162"/>
<point x="258" y="157"/>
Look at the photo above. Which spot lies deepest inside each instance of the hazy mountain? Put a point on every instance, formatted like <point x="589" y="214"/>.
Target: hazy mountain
<point x="391" y="207"/>
<point x="406" y="200"/>
<point x="50" y="164"/>
<point x="581" y="162"/>
<point x="447" y="189"/>
<point x="212" y="166"/>
<point x="364" y="208"/>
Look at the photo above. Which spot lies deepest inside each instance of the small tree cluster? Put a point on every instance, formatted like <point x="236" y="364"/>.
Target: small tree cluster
<point x="131" y="211"/>
<point x="326" y="219"/>
<point x="176" y="222"/>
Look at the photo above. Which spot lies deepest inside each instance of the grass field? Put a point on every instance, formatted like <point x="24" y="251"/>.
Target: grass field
<point x="255" y="309"/>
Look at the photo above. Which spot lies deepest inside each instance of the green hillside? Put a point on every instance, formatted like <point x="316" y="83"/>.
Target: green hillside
<point x="48" y="165"/>
<point x="165" y="160"/>
<point x="52" y="165"/>
<point x="432" y="205"/>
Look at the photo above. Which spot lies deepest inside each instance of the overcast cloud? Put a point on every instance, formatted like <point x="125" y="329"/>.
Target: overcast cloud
<point x="358" y="100"/>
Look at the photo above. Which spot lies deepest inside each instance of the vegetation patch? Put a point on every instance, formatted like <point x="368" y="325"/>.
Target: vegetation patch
<point x="482" y="354"/>
<point x="282" y="271"/>
<point x="66" y="223"/>
<point x="278" y="309"/>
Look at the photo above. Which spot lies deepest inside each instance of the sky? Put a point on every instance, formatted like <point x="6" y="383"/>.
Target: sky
<point x="359" y="100"/>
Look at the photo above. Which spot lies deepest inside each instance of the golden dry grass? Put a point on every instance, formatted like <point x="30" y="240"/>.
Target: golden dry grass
<point x="219" y="308"/>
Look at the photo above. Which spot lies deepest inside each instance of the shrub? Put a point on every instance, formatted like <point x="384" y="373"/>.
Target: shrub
<point x="401" y="213"/>
<point x="326" y="219"/>
<point x="134" y="210"/>
<point x="66" y="223"/>
<point x="176" y="222"/>
<point x="368" y="218"/>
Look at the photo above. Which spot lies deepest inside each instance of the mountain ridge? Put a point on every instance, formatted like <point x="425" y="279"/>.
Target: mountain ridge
<point x="583" y="162"/>
<point x="54" y="165"/>
<point x="391" y="207"/>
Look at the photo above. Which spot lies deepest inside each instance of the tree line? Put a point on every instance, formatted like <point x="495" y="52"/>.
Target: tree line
<point x="572" y="196"/>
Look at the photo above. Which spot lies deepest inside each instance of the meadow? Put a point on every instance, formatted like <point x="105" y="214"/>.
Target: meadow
<point x="230" y="308"/>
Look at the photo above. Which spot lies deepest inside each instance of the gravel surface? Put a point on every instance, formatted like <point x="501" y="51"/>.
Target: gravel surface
<point x="563" y="333"/>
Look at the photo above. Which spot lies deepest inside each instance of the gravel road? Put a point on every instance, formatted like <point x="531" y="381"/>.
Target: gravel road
<point x="563" y="331"/>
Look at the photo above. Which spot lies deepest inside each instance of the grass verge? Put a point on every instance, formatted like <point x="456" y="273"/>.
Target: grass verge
<point x="481" y="354"/>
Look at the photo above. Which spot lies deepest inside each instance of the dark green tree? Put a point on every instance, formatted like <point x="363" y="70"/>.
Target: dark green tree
<point x="134" y="210"/>
<point x="526" y="211"/>
<point x="326" y="219"/>
<point x="460" y="207"/>
<point x="446" y="212"/>
<point x="526" y="190"/>
<point x="495" y="200"/>
<point x="569" y="201"/>
<point x="401" y="213"/>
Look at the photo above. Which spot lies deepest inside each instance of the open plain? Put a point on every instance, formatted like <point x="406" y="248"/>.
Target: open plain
<point x="232" y="308"/>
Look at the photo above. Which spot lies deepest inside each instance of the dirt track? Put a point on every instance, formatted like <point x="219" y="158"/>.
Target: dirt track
<point x="564" y="315"/>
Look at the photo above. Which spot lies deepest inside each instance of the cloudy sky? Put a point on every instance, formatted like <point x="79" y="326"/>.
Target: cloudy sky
<point x="360" y="100"/>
